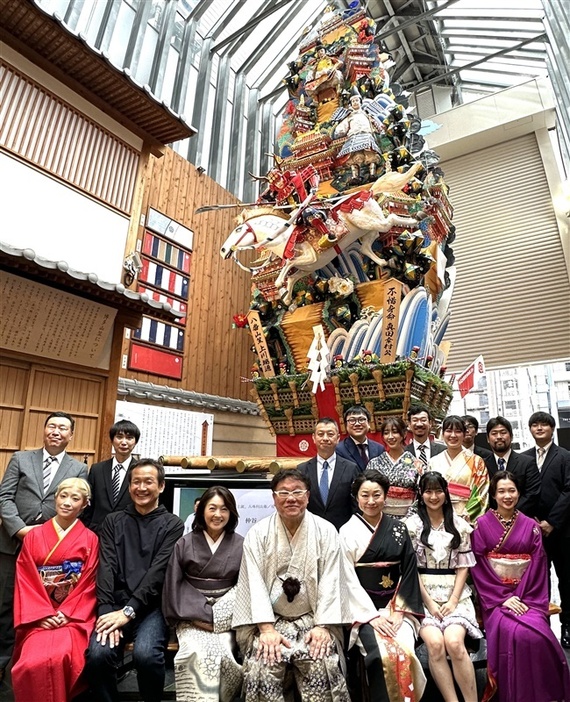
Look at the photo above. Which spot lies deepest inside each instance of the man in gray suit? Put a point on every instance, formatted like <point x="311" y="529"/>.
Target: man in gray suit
<point x="27" y="499"/>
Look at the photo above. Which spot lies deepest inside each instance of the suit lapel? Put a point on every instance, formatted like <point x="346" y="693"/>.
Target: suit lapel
<point x="354" y="453"/>
<point x="60" y="474"/>
<point x="339" y="469"/>
<point x="38" y="468"/>
<point x="314" y="478"/>
<point x="108" y="479"/>
<point x="550" y="456"/>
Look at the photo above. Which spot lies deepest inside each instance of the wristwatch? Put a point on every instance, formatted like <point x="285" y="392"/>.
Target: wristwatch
<point x="129" y="612"/>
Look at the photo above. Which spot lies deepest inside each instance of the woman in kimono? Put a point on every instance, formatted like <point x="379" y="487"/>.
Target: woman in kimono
<point x="198" y="597"/>
<point x="442" y="544"/>
<point x="524" y="659"/>
<point x="55" y="601"/>
<point x="465" y="472"/>
<point x="401" y="468"/>
<point x="384" y="591"/>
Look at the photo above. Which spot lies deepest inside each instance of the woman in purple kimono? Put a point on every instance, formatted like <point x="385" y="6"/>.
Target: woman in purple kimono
<point x="198" y="598"/>
<point x="524" y="659"/>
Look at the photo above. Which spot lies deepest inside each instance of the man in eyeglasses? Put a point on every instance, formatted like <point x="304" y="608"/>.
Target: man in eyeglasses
<point x="291" y="600"/>
<point x="330" y="476"/>
<point x="357" y="447"/>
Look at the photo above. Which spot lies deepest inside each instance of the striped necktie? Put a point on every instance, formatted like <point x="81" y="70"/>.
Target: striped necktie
<point x="47" y="472"/>
<point x="116" y="484"/>
<point x="423" y="455"/>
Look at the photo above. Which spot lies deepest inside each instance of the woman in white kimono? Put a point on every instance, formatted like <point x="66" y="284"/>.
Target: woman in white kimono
<point x="465" y="472"/>
<point x="198" y="597"/>
<point x="385" y="596"/>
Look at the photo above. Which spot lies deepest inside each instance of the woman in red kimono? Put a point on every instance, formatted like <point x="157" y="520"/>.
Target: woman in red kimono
<point x="55" y="601"/>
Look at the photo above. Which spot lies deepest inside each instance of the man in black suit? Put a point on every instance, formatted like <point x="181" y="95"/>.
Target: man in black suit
<point x="553" y="511"/>
<point x="109" y="489"/>
<point x="357" y="447"/>
<point x="420" y="423"/>
<point x="471" y="429"/>
<point x="27" y="499"/>
<point x="331" y="476"/>
<point x="500" y="437"/>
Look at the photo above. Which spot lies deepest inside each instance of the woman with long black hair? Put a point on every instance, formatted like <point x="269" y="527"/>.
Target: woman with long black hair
<point x="442" y="544"/>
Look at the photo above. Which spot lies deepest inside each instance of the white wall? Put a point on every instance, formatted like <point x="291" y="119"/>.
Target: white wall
<point x="59" y="223"/>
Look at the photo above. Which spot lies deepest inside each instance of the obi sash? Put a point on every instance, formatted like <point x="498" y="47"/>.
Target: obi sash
<point x="510" y="567"/>
<point x="380" y="581"/>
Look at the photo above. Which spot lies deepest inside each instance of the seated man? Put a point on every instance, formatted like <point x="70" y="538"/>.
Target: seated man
<point x="291" y="599"/>
<point x="135" y="545"/>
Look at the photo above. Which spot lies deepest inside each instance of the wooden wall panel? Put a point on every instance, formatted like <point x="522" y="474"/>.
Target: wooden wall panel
<point x="215" y="355"/>
<point x="46" y="131"/>
<point x="29" y="392"/>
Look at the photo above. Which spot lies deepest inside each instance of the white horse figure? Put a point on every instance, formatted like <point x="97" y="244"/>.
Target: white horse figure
<point x="272" y="232"/>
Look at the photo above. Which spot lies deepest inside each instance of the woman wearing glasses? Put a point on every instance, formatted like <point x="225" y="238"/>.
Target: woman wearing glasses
<point x="385" y="597"/>
<point x="401" y="468"/>
<point x="198" y="598"/>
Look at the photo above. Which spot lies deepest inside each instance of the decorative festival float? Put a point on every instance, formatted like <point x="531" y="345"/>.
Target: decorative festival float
<point x="354" y="272"/>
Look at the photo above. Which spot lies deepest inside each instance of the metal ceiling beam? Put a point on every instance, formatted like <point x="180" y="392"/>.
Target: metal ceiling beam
<point x="468" y="66"/>
<point x="414" y="20"/>
<point x="248" y="25"/>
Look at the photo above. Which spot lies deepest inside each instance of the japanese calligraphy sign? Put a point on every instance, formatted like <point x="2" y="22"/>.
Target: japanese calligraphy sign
<point x="43" y="321"/>
<point x="256" y="329"/>
<point x="390" y="320"/>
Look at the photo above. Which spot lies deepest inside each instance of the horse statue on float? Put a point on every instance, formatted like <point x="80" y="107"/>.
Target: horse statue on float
<point x="357" y="216"/>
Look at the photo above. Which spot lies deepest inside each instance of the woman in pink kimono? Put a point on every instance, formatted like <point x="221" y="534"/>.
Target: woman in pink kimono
<point x="524" y="659"/>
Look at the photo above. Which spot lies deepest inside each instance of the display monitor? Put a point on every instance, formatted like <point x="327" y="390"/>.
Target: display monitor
<point x="252" y="493"/>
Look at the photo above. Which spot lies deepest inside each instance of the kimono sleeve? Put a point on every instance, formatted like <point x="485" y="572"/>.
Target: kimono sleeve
<point x="181" y="601"/>
<point x="31" y="601"/>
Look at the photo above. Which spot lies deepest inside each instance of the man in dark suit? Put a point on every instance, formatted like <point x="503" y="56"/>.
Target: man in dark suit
<point x="109" y="489"/>
<point x="331" y="476"/>
<point x="500" y="437"/>
<point x="420" y="423"/>
<point x="27" y="499"/>
<point x="553" y="511"/>
<point x="471" y="429"/>
<point x="357" y="447"/>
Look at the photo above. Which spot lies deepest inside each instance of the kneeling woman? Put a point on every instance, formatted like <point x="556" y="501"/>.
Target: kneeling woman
<point x="442" y="544"/>
<point x="384" y="593"/>
<point x="524" y="659"/>
<point x="55" y="601"/>
<point x="198" y="597"/>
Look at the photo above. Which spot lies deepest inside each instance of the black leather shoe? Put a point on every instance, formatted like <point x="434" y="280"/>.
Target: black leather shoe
<point x="565" y="636"/>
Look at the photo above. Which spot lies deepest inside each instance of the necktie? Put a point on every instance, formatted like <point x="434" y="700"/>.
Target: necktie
<point x="540" y="460"/>
<point x="502" y="464"/>
<point x="47" y="472"/>
<point x="324" y="482"/>
<point x="116" y="484"/>
<point x="423" y="455"/>
<point x="363" y="454"/>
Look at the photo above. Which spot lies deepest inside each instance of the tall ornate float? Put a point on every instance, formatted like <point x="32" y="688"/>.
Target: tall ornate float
<point x="352" y="231"/>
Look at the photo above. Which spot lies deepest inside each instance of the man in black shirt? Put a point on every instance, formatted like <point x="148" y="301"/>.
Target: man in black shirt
<point x="134" y="549"/>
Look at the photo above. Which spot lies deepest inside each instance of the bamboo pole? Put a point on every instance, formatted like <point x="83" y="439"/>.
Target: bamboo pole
<point x="195" y="461"/>
<point x="284" y="463"/>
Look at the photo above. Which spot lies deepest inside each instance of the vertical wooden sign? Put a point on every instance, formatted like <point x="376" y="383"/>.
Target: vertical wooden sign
<point x="261" y="347"/>
<point x="390" y="320"/>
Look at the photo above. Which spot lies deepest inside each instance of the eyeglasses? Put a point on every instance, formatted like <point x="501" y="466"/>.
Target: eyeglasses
<point x="356" y="420"/>
<point x="284" y="494"/>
